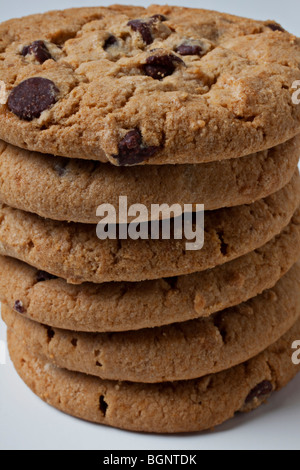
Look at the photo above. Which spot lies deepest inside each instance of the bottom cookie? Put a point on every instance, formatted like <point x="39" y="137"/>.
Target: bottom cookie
<point x="161" y="408"/>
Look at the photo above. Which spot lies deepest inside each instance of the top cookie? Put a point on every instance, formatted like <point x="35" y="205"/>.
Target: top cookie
<point x="159" y="85"/>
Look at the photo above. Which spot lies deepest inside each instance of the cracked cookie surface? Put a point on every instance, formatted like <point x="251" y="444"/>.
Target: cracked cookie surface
<point x="147" y="86"/>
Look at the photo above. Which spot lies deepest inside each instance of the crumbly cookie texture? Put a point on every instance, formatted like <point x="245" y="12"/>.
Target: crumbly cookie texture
<point x="181" y="351"/>
<point x="159" y="85"/>
<point x="134" y="306"/>
<point x="73" y="251"/>
<point x="161" y="408"/>
<point x="71" y="190"/>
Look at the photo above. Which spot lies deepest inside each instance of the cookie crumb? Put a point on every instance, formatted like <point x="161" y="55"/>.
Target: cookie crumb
<point x="3" y="93"/>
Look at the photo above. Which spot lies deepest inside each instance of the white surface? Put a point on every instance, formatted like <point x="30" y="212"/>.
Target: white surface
<point x="27" y="423"/>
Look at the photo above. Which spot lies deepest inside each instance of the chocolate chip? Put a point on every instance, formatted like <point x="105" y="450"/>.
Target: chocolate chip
<point x="42" y="276"/>
<point x="110" y="41"/>
<point x="50" y="333"/>
<point x="161" y="66"/>
<point x="103" y="405"/>
<point x="39" y="50"/>
<point x="275" y="27"/>
<point x="159" y="17"/>
<point x="172" y="281"/>
<point x="19" y="307"/>
<point x="143" y="28"/>
<point x="263" y="389"/>
<point x="189" y="49"/>
<point x="61" y="166"/>
<point x="31" y="97"/>
<point x="132" y="150"/>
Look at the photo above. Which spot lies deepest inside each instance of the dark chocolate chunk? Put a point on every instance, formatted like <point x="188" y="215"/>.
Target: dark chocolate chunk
<point x="103" y="405"/>
<point x="275" y="27"/>
<point x="189" y="49"/>
<point x="39" y="50"/>
<point x="172" y="281"/>
<point x="31" y="97"/>
<point x="263" y="389"/>
<point x="42" y="276"/>
<point x="143" y="28"/>
<point x="19" y="307"/>
<point x="110" y="41"/>
<point x="161" y="66"/>
<point x="50" y="333"/>
<point x="132" y="150"/>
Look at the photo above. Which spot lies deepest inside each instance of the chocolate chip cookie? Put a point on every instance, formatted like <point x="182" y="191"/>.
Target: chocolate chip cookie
<point x="181" y="351"/>
<point x="147" y="86"/>
<point x="71" y="190"/>
<point x="73" y="251"/>
<point x="161" y="408"/>
<point x="134" y="306"/>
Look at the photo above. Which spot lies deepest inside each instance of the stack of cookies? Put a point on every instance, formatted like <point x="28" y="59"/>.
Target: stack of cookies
<point x="163" y="105"/>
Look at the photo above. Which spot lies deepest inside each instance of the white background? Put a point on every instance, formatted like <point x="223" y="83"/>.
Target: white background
<point x="27" y="423"/>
